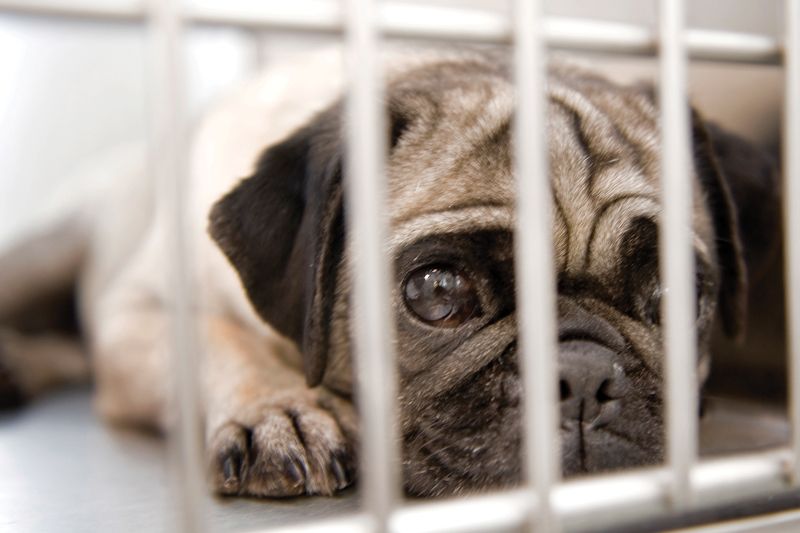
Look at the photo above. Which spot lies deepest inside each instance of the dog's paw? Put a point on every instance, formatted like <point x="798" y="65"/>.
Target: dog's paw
<point x="291" y="451"/>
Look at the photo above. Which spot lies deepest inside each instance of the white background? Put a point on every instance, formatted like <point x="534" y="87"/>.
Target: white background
<point x="71" y="91"/>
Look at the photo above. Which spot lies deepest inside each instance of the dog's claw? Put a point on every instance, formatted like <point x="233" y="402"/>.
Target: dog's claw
<point x="229" y="458"/>
<point x="340" y="473"/>
<point x="295" y="471"/>
<point x="230" y="472"/>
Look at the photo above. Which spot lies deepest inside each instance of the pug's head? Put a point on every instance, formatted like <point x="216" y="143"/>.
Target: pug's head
<point x="452" y="222"/>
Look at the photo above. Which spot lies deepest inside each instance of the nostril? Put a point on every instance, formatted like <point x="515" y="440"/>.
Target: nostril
<point x="564" y="390"/>
<point x="604" y="392"/>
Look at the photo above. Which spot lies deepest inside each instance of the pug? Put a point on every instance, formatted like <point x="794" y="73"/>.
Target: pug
<point x="275" y="272"/>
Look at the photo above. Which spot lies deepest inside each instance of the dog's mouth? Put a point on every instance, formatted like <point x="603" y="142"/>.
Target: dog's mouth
<point x="587" y="449"/>
<point x="470" y="438"/>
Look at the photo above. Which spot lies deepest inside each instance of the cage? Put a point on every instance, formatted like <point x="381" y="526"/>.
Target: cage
<point x="753" y="491"/>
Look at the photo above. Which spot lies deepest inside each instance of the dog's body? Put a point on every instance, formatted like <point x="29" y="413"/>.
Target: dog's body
<point x="451" y="214"/>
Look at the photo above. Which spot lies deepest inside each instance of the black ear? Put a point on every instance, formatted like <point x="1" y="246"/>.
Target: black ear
<point x="742" y="190"/>
<point x="282" y="230"/>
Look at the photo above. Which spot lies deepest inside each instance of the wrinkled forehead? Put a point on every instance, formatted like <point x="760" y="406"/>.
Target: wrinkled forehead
<point x="452" y="167"/>
<point x="454" y="150"/>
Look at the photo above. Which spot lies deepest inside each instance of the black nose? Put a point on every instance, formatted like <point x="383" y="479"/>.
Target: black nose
<point x="592" y="382"/>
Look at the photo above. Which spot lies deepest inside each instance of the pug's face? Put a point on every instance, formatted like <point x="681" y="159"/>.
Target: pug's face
<point x="452" y="223"/>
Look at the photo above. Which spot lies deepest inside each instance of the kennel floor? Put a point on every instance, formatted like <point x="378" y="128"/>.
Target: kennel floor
<point x="62" y="470"/>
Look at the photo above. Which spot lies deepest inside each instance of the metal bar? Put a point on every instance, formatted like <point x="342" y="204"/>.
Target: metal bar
<point x="590" y="503"/>
<point x="783" y="522"/>
<point x="299" y="15"/>
<point x="534" y="264"/>
<point x="353" y="523"/>
<point x="732" y="46"/>
<point x="606" y="501"/>
<point x="791" y="209"/>
<point x="677" y="261"/>
<point x="168" y="153"/>
<point x="402" y="20"/>
<point x="366" y="222"/>
<point x="735" y="478"/>
<point x="130" y="10"/>
<point x="500" y="511"/>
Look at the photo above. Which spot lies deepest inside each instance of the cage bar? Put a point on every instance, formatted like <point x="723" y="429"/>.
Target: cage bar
<point x="534" y="265"/>
<point x="784" y="522"/>
<point x="590" y="503"/>
<point x="676" y="260"/>
<point x="724" y="46"/>
<point x="366" y="199"/>
<point x="791" y="209"/>
<point x="168" y="152"/>
<point x="399" y="19"/>
<point x="130" y="10"/>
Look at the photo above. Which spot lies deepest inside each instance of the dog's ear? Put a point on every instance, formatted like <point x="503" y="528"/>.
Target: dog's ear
<point x="741" y="186"/>
<point x="282" y="230"/>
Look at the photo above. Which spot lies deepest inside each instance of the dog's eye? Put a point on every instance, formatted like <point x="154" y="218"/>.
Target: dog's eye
<point x="441" y="296"/>
<point x="652" y="309"/>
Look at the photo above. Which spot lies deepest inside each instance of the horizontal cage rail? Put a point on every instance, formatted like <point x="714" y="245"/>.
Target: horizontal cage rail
<point x="594" y="502"/>
<point x="403" y="20"/>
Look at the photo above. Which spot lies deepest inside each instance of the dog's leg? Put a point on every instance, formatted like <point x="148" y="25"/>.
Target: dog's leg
<point x="43" y="264"/>
<point x="130" y="349"/>
<point x="31" y="364"/>
<point x="268" y="433"/>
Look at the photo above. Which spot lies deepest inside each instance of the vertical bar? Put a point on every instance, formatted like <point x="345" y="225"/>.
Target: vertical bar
<point x="534" y="263"/>
<point x="168" y="152"/>
<point x="791" y="210"/>
<point x="366" y="223"/>
<point x="677" y="259"/>
<point x="261" y="44"/>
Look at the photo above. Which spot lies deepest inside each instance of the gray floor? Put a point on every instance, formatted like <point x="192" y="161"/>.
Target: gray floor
<point x="62" y="471"/>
